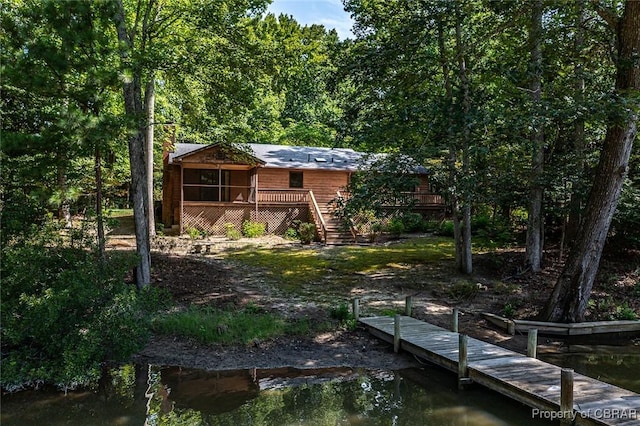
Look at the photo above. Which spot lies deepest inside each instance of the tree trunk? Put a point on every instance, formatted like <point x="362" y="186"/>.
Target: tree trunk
<point x="453" y="156"/>
<point x="133" y="108"/>
<point x="99" y="217"/>
<point x="579" y="143"/>
<point x="535" y="223"/>
<point x="149" y="104"/>
<point x="467" y="259"/>
<point x="570" y="296"/>
<point x="64" y="211"/>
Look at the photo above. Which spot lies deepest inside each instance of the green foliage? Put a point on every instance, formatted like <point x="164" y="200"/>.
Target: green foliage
<point x="291" y="234"/>
<point x="343" y="315"/>
<point x="253" y="229"/>
<point x="509" y="310"/>
<point x="446" y="228"/>
<point x="194" y="233"/>
<point x="395" y="227"/>
<point x="625" y="227"/>
<point x="340" y="312"/>
<point x="491" y="232"/>
<point x="414" y="222"/>
<point x="488" y="232"/>
<point x="65" y="312"/>
<point x="307" y="232"/>
<point x="231" y="232"/>
<point x="234" y="326"/>
<point x="291" y="268"/>
<point x="382" y="181"/>
<point x="625" y="312"/>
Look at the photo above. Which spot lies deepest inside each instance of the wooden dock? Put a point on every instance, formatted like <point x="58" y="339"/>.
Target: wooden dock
<point x="525" y="379"/>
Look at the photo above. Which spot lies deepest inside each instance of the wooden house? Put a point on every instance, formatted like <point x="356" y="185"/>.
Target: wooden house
<point x="208" y="186"/>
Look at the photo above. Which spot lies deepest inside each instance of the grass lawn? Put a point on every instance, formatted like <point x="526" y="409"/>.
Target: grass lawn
<point x="291" y="268"/>
<point x="119" y="212"/>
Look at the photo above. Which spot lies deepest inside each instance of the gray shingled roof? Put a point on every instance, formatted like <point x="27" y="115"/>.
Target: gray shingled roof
<point x="291" y="157"/>
<point x="288" y="157"/>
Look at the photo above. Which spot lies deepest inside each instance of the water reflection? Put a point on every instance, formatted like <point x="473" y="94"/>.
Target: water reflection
<point x="177" y="396"/>
<point x="620" y="369"/>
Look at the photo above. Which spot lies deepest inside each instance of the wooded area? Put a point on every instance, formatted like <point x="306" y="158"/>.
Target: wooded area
<point x="526" y="112"/>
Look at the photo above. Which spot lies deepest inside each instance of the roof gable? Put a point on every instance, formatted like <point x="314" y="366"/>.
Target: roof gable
<point x="212" y="154"/>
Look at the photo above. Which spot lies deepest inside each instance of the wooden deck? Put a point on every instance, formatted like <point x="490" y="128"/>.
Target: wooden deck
<point x="528" y="380"/>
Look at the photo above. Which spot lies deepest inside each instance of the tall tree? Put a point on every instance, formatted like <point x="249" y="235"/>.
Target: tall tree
<point x="466" y="263"/>
<point x="569" y="299"/>
<point x="535" y="223"/>
<point x="132" y="92"/>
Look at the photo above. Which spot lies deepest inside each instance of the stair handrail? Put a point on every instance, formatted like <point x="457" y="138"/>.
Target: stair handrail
<point x="315" y="209"/>
<point x="352" y="225"/>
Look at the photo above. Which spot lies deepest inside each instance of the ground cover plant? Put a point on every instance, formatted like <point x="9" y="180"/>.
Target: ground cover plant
<point x="231" y="325"/>
<point x="290" y="268"/>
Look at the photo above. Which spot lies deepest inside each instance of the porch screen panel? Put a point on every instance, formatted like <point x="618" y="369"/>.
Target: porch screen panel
<point x="206" y="185"/>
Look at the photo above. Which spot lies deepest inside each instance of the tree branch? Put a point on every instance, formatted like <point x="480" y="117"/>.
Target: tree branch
<point x="607" y="14"/>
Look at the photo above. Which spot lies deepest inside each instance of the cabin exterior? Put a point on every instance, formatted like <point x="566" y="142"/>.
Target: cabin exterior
<point x="208" y="186"/>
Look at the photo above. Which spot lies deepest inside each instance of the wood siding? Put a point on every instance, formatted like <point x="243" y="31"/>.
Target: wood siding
<point x="278" y="204"/>
<point x="323" y="183"/>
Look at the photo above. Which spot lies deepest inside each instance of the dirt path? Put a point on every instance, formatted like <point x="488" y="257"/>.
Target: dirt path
<point x="208" y="278"/>
<point x="205" y="279"/>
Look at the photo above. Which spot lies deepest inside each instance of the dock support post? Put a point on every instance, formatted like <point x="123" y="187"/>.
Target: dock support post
<point x="454" y="321"/>
<point x="566" y="396"/>
<point x="463" y="371"/>
<point x="532" y="343"/>
<point x="396" y="334"/>
<point x="408" y="305"/>
<point x="355" y="304"/>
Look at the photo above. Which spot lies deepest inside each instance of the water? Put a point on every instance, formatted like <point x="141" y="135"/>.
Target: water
<point x="615" y="367"/>
<point x="177" y="396"/>
<point x="153" y="395"/>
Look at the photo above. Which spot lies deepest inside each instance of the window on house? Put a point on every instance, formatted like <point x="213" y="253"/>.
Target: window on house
<point x="206" y="185"/>
<point x="295" y="180"/>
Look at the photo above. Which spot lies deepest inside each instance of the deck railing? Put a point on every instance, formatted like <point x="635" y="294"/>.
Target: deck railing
<point x="317" y="216"/>
<point x="286" y="196"/>
<point x="425" y="198"/>
<point x="420" y="198"/>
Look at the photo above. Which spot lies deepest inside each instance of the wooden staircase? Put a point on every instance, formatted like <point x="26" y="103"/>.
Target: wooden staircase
<point x="336" y="234"/>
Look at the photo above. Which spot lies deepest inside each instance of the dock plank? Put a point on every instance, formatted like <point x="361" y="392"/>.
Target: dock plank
<point x="528" y="380"/>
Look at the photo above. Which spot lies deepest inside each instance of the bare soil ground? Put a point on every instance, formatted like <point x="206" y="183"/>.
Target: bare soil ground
<point x="209" y="278"/>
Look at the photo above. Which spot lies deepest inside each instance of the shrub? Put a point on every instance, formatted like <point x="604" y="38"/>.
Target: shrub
<point x="253" y="229"/>
<point x="65" y="312"/>
<point x="509" y="310"/>
<point x="625" y="312"/>
<point x="343" y="315"/>
<point x="194" y="233"/>
<point x="413" y="222"/>
<point x="307" y="232"/>
<point x="231" y="232"/>
<point x="340" y="313"/>
<point x="395" y="227"/>
<point x="291" y="234"/>
<point x="446" y="228"/>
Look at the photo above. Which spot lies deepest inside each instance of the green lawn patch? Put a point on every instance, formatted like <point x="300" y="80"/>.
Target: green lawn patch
<point x="236" y="326"/>
<point x="294" y="266"/>
<point x="119" y="212"/>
